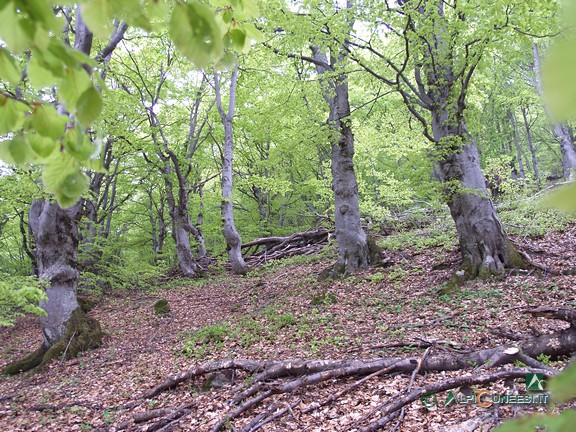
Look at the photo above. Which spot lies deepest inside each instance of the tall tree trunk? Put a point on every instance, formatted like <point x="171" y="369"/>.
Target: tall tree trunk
<point x="56" y="236"/>
<point x="521" y="172"/>
<point x="181" y="221"/>
<point x="353" y="251"/>
<point x="66" y="328"/>
<point x="530" y="142"/>
<point x="484" y="246"/>
<point x="559" y="130"/>
<point x="233" y="241"/>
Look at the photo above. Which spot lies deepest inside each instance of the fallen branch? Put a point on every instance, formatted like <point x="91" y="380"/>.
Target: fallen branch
<point x="465" y="380"/>
<point x="273" y="377"/>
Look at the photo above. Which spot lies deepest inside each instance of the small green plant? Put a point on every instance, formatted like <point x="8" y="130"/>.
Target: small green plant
<point x="543" y="358"/>
<point x="398" y="274"/>
<point x="18" y="295"/>
<point x="161" y="307"/>
<point x="209" y="338"/>
<point x="324" y="299"/>
<point x="377" y="277"/>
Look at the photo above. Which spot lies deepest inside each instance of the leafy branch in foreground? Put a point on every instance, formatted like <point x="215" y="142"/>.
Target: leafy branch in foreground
<point x="43" y="69"/>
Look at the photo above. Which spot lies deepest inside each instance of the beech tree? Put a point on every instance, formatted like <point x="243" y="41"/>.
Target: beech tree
<point x="440" y="54"/>
<point x="353" y="251"/>
<point x="55" y="230"/>
<point x="172" y="152"/>
<point x="231" y="235"/>
<point x="60" y="137"/>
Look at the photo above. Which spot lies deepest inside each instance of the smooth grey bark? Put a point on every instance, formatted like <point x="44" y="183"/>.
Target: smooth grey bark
<point x="181" y="222"/>
<point x="530" y="142"/>
<point x="353" y="251"/>
<point x="484" y="245"/>
<point x="560" y="131"/>
<point x="521" y="172"/>
<point x="55" y="233"/>
<point x="233" y="241"/>
<point x="56" y="237"/>
<point x="158" y="229"/>
<point x="435" y="94"/>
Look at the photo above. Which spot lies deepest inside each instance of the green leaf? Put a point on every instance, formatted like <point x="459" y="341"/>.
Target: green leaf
<point x="563" y="198"/>
<point x="88" y="107"/>
<point x="227" y="16"/>
<point x="77" y="144"/>
<point x="17" y="150"/>
<point x="8" y="70"/>
<point x="14" y="31"/>
<point x="42" y="146"/>
<point x="62" y="177"/>
<point x="253" y="33"/>
<point x="39" y="75"/>
<point x="75" y="82"/>
<point x="99" y="15"/>
<point x="194" y="30"/>
<point x="563" y="386"/>
<point x="11" y="115"/>
<point x="74" y="185"/>
<point x="558" y="79"/>
<point x="48" y="123"/>
<point x="238" y="38"/>
<point x="248" y="9"/>
<point x="553" y="423"/>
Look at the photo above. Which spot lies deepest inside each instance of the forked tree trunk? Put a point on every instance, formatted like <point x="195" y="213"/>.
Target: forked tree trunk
<point x="353" y="251"/>
<point x="559" y="130"/>
<point x="233" y="241"/>
<point x="484" y="246"/>
<point x="181" y="221"/>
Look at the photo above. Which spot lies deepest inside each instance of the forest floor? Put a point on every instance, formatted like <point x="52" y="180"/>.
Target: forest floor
<point x="282" y="311"/>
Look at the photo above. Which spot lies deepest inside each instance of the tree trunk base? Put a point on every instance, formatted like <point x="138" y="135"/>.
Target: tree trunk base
<point x="512" y="259"/>
<point x="340" y="269"/>
<point x="83" y="333"/>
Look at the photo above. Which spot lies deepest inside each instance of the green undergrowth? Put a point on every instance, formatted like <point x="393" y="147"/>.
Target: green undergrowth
<point x="441" y="234"/>
<point x="527" y="218"/>
<point x="328" y="252"/>
<point x="265" y="326"/>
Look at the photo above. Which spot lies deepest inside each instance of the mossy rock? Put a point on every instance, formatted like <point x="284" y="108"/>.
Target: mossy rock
<point x="161" y="307"/>
<point x="86" y="304"/>
<point x="83" y="333"/>
<point x="374" y="251"/>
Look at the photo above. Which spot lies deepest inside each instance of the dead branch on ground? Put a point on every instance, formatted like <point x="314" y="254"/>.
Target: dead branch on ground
<point x="273" y="378"/>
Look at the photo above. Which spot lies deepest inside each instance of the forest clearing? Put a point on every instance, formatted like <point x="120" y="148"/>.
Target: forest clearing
<point x="287" y="215"/>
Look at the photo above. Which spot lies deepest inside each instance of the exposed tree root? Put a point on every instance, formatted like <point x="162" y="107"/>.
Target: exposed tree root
<point x="548" y="270"/>
<point x="83" y="333"/>
<point x="268" y="379"/>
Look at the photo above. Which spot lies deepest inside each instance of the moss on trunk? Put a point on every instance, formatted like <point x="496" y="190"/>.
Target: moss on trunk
<point x="83" y="333"/>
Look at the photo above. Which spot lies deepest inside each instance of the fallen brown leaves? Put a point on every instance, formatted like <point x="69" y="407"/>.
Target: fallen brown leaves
<point x="392" y="312"/>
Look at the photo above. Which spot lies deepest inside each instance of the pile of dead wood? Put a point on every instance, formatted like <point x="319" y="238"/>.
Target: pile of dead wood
<point x="263" y="382"/>
<point x="265" y="249"/>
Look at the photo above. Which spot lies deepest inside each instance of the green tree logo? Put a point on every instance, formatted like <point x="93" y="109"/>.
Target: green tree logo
<point x="534" y="382"/>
